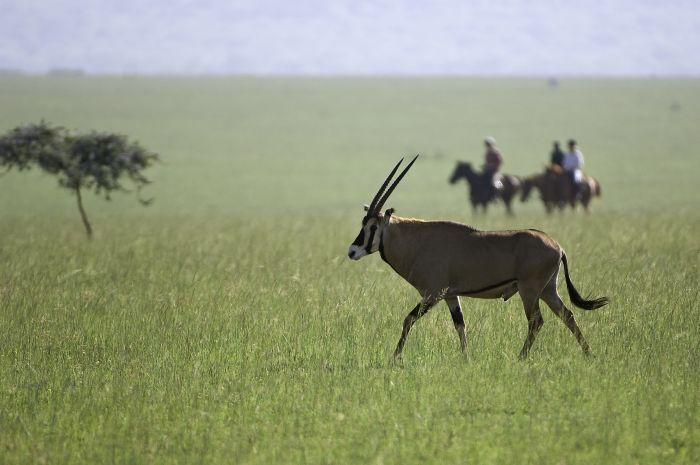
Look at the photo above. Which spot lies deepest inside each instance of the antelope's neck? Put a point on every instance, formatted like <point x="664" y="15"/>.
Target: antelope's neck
<point x="397" y="248"/>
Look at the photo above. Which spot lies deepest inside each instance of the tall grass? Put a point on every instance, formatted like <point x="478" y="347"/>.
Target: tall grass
<point x="226" y="325"/>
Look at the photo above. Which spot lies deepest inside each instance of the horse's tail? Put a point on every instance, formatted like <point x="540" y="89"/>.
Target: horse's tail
<point x="575" y="297"/>
<point x="597" y="192"/>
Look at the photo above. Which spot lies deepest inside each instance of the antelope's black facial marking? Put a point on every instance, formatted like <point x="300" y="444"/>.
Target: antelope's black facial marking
<point x="363" y="243"/>
<point x="372" y="230"/>
<point x="360" y="239"/>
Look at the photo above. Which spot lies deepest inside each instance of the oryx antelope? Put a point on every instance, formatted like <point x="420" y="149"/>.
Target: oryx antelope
<point x="444" y="260"/>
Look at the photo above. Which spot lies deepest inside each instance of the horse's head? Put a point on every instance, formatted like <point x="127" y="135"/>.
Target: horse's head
<point x="463" y="169"/>
<point x="534" y="181"/>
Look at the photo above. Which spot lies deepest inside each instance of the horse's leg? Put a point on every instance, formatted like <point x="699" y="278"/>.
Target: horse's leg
<point x="586" y="200"/>
<point x="507" y="198"/>
<point x="571" y="198"/>
<point x="587" y="195"/>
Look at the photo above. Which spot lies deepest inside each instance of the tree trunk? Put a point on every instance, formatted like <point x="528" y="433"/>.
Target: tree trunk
<point x="88" y="228"/>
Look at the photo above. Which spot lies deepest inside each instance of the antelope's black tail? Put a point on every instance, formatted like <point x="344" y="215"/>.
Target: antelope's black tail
<point x="575" y="297"/>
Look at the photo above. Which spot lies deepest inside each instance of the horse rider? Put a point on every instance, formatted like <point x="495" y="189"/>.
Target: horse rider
<point x="557" y="157"/>
<point x="492" y="163"/>
<point x="573" y="163"/>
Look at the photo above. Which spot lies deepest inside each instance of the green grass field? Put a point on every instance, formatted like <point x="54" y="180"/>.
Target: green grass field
<point x="225" y="324"/>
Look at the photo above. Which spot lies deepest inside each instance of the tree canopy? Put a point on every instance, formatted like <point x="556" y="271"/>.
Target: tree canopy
<point x="99" y="161"/>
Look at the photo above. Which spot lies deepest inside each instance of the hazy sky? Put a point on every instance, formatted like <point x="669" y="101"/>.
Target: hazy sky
<point x="542" y="37"/>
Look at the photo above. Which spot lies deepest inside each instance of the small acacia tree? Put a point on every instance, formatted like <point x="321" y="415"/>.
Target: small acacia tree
<point x="95" y="160"/>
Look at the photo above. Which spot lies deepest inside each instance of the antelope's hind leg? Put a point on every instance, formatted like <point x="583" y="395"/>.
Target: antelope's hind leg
<point x="458" y="320"/>
<point x="553" y="301"/>
<point x="529" y="293"/>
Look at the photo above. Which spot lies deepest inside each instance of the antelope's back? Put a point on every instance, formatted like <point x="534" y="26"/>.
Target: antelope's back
<point x="486" y="257"/>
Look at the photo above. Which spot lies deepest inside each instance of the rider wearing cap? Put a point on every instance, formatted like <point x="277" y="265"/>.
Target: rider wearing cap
<point x="557" y="156"/>
<point x="492" y="159"/>
<point x="573" y="163"/>
<point x="492" y="162"/>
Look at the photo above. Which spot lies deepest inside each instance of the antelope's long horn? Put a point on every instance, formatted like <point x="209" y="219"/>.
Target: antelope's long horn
<point x="384" y="198"/>
<point x="372" y="205"/>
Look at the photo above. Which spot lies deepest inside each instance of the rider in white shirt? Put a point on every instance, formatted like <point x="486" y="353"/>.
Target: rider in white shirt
<point x="573" y="163"/>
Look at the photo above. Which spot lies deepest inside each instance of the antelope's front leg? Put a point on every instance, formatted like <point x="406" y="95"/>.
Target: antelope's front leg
<point x="417" y="312"/>
<point x="458" y="320"/>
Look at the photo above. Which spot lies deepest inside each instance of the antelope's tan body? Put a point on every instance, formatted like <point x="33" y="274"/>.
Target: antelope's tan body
<point x="444" y="260"/>
<point x="457" y="260"/>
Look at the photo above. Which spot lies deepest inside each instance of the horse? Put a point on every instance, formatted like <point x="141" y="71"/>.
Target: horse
<point x="556" y="191"/>
<point x="481" y="189"/>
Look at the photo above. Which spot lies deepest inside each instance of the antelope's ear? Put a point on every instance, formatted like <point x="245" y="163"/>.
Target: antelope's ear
<point x="366" y="208"/>
<point x="387" y="216"/>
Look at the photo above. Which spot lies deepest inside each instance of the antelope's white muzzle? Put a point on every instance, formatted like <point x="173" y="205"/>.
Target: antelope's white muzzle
<point x="356" y="252"/>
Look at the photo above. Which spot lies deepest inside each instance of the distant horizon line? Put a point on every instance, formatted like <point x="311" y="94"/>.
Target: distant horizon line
<point x="75" y="72"/>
